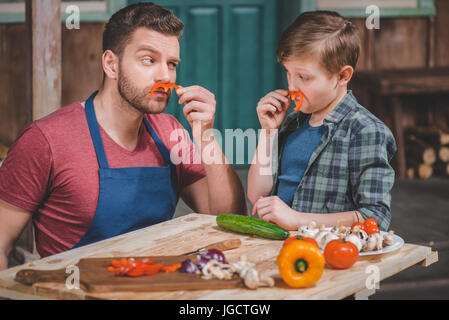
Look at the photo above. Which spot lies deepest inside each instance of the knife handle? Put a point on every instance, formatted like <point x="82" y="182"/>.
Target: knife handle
<point x="225" y="245"/>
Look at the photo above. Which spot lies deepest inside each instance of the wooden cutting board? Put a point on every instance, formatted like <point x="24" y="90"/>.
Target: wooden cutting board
<point x="94" y="277"/>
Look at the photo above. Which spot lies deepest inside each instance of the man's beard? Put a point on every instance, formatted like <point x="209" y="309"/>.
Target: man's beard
<point x="139" y="100"/>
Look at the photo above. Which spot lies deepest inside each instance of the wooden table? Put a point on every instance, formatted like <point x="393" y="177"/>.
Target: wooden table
<point x="192" y="231"/>
<point x="387" y="87"/>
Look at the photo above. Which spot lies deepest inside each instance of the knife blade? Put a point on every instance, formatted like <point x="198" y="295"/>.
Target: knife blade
<point x="221" y="245"/>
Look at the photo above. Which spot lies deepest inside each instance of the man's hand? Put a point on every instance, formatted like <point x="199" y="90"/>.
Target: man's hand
<point x="272" y="109"/>
<point x="273" y="209"/>
<point x="199" y="107"/>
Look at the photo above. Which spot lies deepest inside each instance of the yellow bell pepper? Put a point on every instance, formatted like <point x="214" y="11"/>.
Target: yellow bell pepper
<point x="300" y="264"/>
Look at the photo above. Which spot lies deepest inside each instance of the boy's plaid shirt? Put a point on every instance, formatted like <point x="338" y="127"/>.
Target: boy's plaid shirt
<point x="349" y="169"/>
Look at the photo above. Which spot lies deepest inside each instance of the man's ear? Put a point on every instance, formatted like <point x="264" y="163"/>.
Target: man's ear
<point x="110" y="64"/>
<point x="345" y="75"/>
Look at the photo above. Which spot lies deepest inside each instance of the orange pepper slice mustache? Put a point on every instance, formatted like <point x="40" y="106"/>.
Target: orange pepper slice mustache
<point x="295" y="94"/>
<point x="165" y="86"/>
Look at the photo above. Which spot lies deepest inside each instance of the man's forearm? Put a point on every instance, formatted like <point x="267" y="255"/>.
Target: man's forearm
<point x="4" y="253"/>
<point x="225" y="190"/>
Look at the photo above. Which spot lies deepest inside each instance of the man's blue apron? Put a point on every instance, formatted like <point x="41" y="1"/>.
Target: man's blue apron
<point x="130" y="198"/>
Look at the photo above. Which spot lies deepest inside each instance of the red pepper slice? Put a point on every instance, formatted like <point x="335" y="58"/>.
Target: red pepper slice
<point x="136" y="267"/>
<point x="171" y="268"/>
<point x="165" y="86"/>
<point x="295" y="94"/>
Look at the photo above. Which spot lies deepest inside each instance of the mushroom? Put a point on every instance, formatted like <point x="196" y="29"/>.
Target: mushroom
<point x="388" y="239"/>
<point x="308" y="231"/>
<point x="340" y="230"/>
<point x="354" y="237"/>
<point x="374" y="242"/>
<point x="323" y="237"/>
<point x="328" y="238"/>
<point x="379" y="241"/>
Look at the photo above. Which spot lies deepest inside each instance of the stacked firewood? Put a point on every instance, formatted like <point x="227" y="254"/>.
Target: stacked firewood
<point x="427" y="152"/>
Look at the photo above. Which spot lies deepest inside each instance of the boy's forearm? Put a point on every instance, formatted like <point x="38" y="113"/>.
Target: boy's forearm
<point x="260" y="179"/>
<point x="347" y="218"/>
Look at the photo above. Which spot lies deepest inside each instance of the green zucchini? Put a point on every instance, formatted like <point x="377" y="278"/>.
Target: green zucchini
<point x="250" y="225"/>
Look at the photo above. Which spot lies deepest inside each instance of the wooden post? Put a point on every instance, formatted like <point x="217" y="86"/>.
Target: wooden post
<point x="43" y="20"/>
<point x="43" y="92"/>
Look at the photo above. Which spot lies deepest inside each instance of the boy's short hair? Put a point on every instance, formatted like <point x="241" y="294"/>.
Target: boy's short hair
<point x="118" y="31"/>
<point x="333" y="38"/>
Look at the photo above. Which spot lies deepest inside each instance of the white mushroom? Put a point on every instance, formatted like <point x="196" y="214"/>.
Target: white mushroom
<point x="323" y="236"/>
<point x="379" y="241"/>
<point x="373" y="243"/>
<point x="388" y="238"/>
<point x="370" y="244"/>
<point x="340" y="230"/>
<point x="222" y="271"/>
<point x="308" y="231"/>
<point x="328" y="238"/>
<point x="354" y="237"/>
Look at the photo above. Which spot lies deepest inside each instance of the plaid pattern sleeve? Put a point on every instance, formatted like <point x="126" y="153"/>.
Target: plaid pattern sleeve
<point x="371" y="176"/>
<point x="349" y="169"/>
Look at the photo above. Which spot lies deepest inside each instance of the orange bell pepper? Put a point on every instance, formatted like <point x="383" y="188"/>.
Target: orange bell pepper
<point x="295" y="94"/>
<point x="165" y="86"/>
<point x="300" y="263"/>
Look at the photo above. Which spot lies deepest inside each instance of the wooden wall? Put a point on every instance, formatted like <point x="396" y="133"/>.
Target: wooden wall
<point x="399" y="43"/>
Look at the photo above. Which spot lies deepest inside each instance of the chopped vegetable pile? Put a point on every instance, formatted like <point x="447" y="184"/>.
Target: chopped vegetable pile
<point x="137" y="267"/>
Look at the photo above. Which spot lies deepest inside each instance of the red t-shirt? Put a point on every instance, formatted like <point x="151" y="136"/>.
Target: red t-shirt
<point x="51" y="170"/>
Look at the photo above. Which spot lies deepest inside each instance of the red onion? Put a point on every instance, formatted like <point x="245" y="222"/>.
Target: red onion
<point x="188" y="266"/>
<point x="215" y="254"/>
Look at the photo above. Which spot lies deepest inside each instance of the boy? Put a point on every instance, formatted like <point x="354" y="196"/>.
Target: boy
<point x="333" y="154"/>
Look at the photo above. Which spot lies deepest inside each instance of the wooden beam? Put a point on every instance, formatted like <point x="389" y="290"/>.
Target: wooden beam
<point x="43" y="20"/>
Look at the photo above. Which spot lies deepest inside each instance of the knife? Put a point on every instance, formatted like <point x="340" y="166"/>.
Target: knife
<point x="221" y="245"/>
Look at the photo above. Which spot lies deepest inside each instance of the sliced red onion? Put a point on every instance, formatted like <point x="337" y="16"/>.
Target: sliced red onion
<point x="188" y="266"/>
<point x="215" y="254"/>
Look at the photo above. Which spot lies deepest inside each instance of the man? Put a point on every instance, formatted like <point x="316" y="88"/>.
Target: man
<point x="97" y="169"/>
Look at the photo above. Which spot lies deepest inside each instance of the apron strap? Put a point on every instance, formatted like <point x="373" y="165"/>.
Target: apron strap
<point x="160" y="145"/>
<point x="98" y="142"/>
<point x="165" y="154"/>
<point x="95" y="132"/>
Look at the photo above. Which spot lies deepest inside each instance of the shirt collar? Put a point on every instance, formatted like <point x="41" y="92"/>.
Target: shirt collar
<point x="342" y="108"/>
<point x="294" y="120"/>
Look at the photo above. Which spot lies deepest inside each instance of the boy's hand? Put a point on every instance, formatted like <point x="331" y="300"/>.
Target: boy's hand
<point x="273" y="209"/>
<point x="272" y="109"/>
<point x="199" y="106"/>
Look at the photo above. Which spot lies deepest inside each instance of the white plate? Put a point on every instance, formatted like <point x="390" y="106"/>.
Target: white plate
<point x="398" y="243"/>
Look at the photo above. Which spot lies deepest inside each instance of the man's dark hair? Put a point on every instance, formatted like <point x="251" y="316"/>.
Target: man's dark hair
<point x="120" y="28"/>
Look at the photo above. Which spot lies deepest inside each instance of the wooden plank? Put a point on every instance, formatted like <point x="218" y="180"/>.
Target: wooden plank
<point x="188" y="232"/>
<point x="404" y="81"/>
<point x="15" y="113"/>
<point x="442" y="33"/>
<point x="44" y="28"/>
<point x="430" y="259"/>
<point x="82" y="71"/>
<point x="401" y="43"/>
<point x="364" y="293"/>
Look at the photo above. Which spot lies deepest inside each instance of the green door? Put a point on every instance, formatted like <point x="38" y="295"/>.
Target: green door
<point x="228" y="47"/>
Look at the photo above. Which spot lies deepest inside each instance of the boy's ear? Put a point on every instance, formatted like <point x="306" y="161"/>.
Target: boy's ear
<point x="345" y="75"/>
